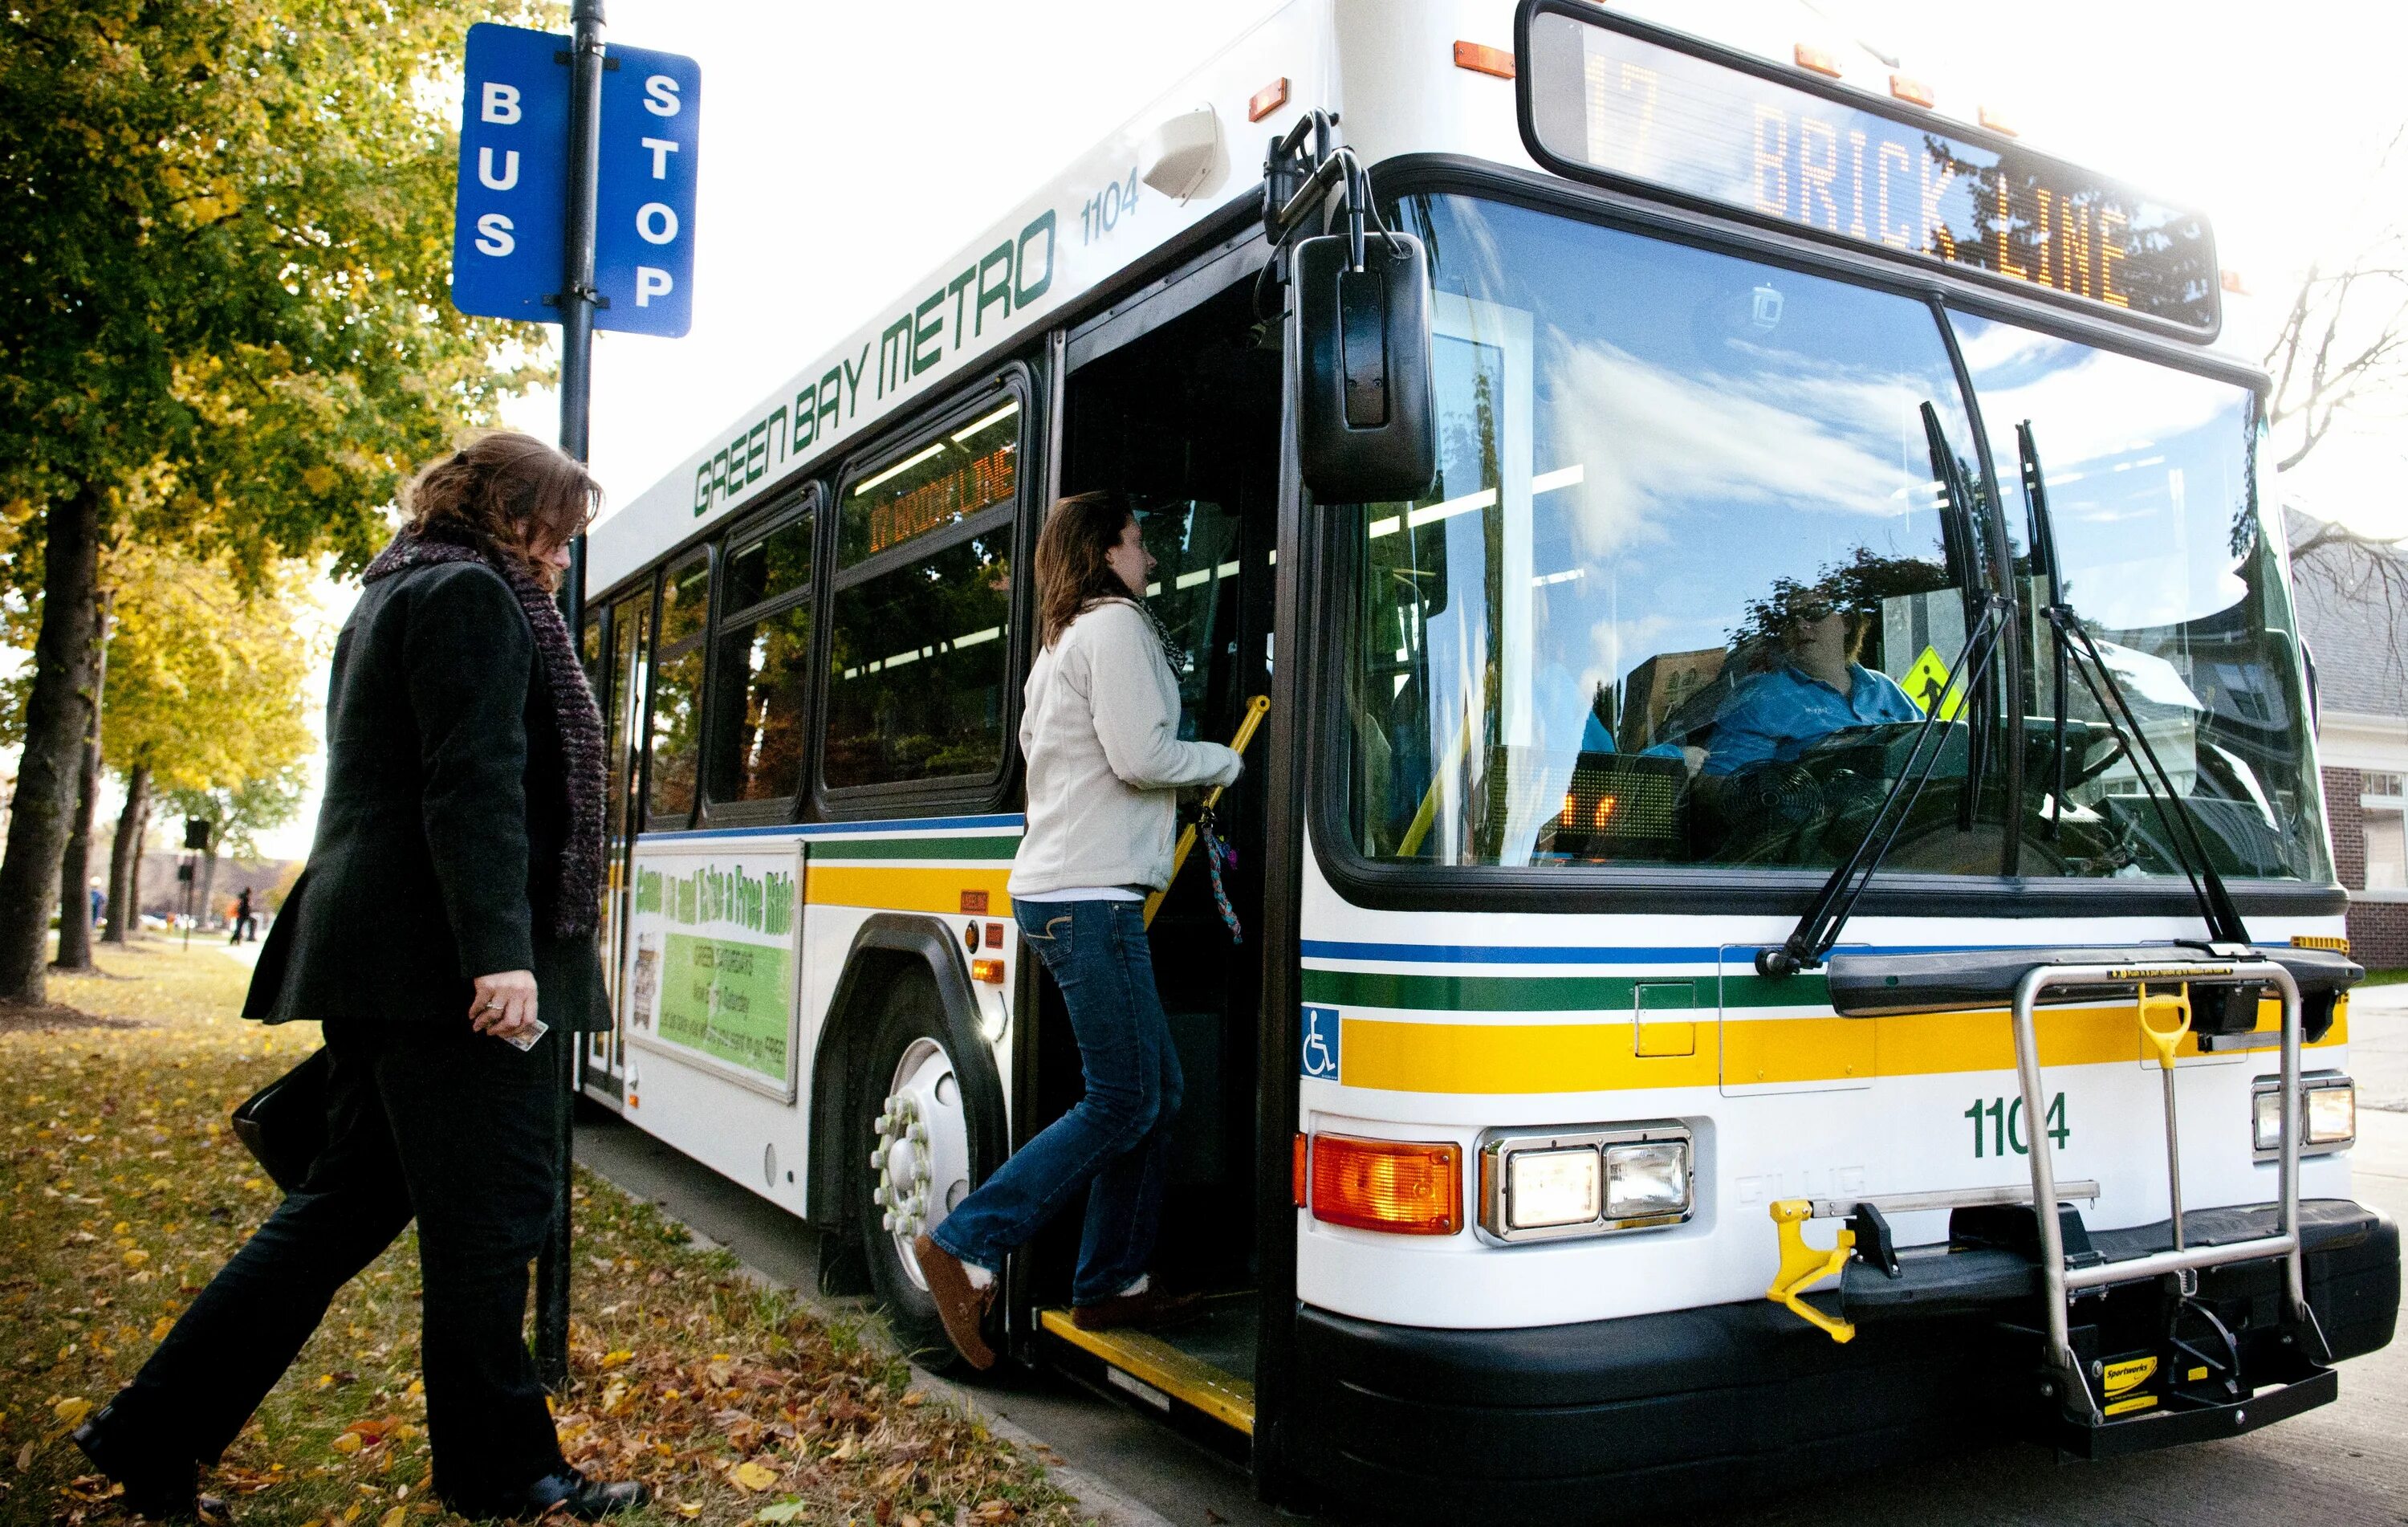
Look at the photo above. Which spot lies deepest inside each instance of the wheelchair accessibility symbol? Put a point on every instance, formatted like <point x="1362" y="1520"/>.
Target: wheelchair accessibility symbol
<point x="1319" y="1057"/>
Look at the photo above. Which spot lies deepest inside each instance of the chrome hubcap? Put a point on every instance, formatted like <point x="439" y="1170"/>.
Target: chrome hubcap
<point x="922" y="1159"/>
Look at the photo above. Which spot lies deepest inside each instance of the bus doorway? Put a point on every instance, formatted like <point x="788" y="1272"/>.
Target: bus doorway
<point x="1184" y="420"/>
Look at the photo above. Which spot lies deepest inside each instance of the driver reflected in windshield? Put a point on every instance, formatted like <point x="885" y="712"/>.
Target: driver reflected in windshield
<point x="1814" y="687"/>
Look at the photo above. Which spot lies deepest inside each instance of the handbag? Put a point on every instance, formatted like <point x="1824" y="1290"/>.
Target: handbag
<point x="283" y="1124"/>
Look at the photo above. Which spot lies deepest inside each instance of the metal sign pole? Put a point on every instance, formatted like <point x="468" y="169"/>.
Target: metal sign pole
<point x="577" y="300"/>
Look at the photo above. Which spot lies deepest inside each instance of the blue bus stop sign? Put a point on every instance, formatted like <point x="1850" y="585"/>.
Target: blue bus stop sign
<point x="505" y="243"/>
<point x="509" y="240"/>
<point x="643" y="245"/>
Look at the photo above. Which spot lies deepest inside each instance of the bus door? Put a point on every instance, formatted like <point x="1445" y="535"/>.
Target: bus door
<point x="1181" y="413"/>
<point x="620" y="688"/>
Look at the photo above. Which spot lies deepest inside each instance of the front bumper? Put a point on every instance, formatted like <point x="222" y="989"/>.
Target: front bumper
<point x="1619" y="1418"/>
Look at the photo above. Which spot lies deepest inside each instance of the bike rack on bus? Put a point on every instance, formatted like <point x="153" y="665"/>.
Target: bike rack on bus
<point x="2222" y="985"/>
<point x="2059" y="1283"/>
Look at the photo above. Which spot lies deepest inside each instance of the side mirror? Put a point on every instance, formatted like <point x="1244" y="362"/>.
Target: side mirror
<point x="1367" y="413"/>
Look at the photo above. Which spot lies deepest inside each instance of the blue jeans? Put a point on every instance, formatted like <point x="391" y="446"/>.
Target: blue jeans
<point x="1116" y="1143"/>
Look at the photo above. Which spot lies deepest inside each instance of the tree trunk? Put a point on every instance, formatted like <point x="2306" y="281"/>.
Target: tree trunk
<point x="58" y="716"/>
<point x="208" y="908"/>
<point x="74" y="861"/>
<point x="125" y="859"/>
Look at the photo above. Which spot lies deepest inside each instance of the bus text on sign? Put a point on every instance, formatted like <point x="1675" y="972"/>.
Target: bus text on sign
<point x="1604" y="102"/>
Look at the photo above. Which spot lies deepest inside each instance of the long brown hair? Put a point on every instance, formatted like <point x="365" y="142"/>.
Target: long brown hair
<point x="503" y="492"/>
<point x="1072" y="572"/>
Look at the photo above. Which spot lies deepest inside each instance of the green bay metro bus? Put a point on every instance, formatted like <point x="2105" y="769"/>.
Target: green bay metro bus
<point x="1787" y="749"/>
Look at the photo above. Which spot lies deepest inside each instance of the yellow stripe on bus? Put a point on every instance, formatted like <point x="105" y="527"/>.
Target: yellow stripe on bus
<point x="908" y="887"/>
<point x="1524" y="1057"/>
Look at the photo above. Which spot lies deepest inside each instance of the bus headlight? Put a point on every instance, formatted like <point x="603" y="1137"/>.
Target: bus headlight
<point x="1548" y="1185"/>
<point x="1644" y="1180"/>
<point x="2330" y="1106"/>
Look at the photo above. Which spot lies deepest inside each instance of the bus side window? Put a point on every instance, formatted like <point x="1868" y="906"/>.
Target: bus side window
<point x="760" y="717"/>
<point x="919" y="663"/>
<point x="677" y="692"/>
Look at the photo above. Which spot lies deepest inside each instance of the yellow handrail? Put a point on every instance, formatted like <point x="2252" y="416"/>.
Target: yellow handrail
<point x="1258" y="707"/>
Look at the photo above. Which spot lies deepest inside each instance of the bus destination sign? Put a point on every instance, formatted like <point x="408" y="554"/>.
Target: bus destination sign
<point x="1604" y="103"/>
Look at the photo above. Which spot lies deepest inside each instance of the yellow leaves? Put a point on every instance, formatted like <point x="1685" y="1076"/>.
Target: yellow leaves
<point x="394" y="1517"/>
<point x="614" y="1399"/>
<point x="417" y="1389"/>
<point x="72" y="1410"/>
<point x="350" y="1442"/>
<point x="319" y="479"/>
<point x="159" y="1328"/>
<point x="136" y="1257"/>
<point x="618" y="1358"/>
<point x="753" y="1477"/>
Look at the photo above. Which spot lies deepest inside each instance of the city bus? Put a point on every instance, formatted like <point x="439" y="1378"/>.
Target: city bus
<point x="1785" y="752"/>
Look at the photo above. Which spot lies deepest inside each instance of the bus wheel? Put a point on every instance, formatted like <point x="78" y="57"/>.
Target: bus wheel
<point x="916" y="1155"/>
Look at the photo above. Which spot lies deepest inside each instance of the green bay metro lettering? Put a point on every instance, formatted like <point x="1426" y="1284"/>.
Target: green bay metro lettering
<point x="918" y="341"/>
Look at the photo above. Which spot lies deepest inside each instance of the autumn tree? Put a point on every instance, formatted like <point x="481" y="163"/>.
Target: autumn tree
<point x="223" y="270"/>
<point x="236" y="816"/>
<point x="206" y="687"/>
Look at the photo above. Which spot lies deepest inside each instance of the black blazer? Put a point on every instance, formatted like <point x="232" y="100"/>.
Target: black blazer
<point x="438" y="851"/>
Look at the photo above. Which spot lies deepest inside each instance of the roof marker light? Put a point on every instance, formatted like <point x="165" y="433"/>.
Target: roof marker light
<point x="1266" y="100"/>
<point x="1912" y="91"/>
<point x="1997" y="122"/>
<point x="1482" y="59"/>
<point x="1816" y="59"/>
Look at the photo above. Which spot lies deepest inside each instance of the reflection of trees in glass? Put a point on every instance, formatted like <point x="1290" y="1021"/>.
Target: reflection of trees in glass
<point x="917" y="667"/>
<point x="1855" y="588"/>
<point x="677" y="687"/>
<point x="676" y="731"/>
<point x="765" y="671"/>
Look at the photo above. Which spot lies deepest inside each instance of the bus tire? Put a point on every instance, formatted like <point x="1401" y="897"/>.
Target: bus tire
<point x="911" y="1164"/>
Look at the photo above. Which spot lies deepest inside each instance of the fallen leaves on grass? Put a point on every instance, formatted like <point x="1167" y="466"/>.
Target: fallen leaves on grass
<point x="126" y="1192"/>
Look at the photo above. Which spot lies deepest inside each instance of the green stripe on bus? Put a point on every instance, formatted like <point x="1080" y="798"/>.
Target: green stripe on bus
<point x="915" y="848"/>
<point x="1545" y="994"/>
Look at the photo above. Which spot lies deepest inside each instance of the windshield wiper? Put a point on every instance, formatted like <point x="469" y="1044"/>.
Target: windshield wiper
<point x="2223" y="920"/>
<point x="1986" y="617"/>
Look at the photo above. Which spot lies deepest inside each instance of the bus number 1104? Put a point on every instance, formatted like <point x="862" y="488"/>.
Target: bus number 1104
<point x="1998" y="1123"/>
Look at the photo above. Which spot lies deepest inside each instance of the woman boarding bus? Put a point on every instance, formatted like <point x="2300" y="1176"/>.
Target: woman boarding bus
<point x="1618" y="1062"/>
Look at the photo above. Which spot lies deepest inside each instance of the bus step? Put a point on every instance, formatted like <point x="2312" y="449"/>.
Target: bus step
<point x="1157" y="1374"/>
<point x="2173" y="1424"/>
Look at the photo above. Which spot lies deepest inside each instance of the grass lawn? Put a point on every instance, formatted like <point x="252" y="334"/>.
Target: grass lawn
<point x="2384" y="978"/>
<point x="123" y="1191"/>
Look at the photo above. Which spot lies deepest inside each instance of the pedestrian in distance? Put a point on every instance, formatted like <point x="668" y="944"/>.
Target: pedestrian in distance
<point x="454" y="885"/>
<point x="1100" y="732"/>
<point x="246" y="925"/>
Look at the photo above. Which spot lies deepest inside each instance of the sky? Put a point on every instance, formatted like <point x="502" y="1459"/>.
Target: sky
<point x="845" y="149"/>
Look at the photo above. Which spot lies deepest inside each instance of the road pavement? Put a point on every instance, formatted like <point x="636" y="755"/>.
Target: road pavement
<point x="2345" y="1464"/>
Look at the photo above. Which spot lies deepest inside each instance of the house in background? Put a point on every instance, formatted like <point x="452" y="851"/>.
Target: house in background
<point x="2352" y="607"/>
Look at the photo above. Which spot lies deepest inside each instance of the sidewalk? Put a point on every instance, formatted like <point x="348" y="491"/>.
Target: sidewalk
<point x="2378" y="1046"/>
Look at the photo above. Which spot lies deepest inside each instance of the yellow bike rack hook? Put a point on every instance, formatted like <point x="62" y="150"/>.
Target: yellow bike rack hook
<point x="1802" y="1265"/>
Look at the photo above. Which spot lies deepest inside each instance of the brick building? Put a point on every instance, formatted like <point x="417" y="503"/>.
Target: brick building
<point x="2353" y="602"/>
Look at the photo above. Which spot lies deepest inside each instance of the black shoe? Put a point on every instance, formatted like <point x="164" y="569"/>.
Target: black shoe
<point x="154" y="1487"/>
<point x="568" y="1492"/>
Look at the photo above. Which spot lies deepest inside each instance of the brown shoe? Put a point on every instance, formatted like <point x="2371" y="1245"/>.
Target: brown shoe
<point x="959" y="1304"/>
<point x="1155" y="1308"/>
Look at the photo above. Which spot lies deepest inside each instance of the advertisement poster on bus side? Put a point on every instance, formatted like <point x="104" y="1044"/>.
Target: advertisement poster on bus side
<point x="712" y="959"/>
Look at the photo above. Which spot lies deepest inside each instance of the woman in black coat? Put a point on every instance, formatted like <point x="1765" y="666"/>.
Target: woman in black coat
<point x="444" y="935"/>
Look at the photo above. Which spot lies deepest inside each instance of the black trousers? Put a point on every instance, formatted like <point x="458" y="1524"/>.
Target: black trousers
<point x="428" y="1121"/>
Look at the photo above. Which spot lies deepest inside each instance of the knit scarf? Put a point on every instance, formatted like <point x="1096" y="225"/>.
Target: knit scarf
<point x="575" y="909"/>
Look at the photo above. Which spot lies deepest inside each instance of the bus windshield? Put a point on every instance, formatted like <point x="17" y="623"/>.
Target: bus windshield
<point x="1690" y="581"/>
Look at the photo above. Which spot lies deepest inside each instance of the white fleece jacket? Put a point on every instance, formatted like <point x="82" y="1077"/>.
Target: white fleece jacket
<point x="1100" y="728"/>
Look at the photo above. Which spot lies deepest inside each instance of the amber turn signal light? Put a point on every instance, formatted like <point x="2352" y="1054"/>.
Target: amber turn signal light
<point x="1482" y="59"/>
<point x="988" y="971"/>
<point x="1404" y="1187"/>
<point x="1301" y="1170"/>
<point x="1266" y="100"/>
